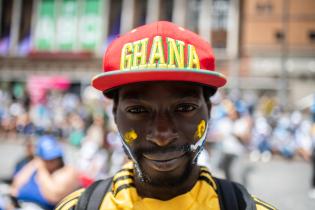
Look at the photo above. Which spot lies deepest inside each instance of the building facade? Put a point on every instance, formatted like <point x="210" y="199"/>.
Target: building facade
<point x="259" y="44"/>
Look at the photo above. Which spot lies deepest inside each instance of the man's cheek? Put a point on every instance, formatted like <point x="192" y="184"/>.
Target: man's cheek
<point x="200" y="130"/>
<point x="130" y="136"/>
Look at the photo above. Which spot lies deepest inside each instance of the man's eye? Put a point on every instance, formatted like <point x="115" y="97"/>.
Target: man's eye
<point x="185" y="108"/>
<point x="137" y="110"/>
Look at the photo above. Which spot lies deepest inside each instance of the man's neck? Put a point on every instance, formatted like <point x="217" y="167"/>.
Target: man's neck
<point x="147" y="190"/>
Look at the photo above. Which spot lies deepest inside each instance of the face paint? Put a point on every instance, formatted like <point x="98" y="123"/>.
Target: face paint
<point x="130" y="154"/>
<point x="201" y="128"/>
<point x="198" y="146"/>
<point x="130" y="136"/>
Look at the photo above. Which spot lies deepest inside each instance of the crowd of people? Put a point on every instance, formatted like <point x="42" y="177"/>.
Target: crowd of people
<point x="260" y="126"/>
<point x="256" y="127"/>
<point x="248" y="124"/>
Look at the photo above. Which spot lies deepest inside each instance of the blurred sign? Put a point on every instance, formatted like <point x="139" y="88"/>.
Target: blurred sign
<point x="45" y="28"/>
<point x="37" y="86"/>
<point x="67" y="25"/>
<point x="90" y="26"/>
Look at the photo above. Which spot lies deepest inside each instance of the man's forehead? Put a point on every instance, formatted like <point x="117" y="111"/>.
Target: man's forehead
<point x="154" y="89"/>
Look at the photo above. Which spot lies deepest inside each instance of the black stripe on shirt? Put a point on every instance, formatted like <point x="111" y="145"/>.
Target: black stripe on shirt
<point x="125" y="169"/>
<point x="124" y="186"/>
<point x="122" y="178"/>
<point x="206" y="179"/>
<point x="205" y="171"/>
<point x="66" y="202"/>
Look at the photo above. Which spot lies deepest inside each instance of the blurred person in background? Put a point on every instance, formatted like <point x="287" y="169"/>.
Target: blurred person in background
<point x="76" y="129"/>
<point x="24" y="125"/>
<point x="29" y="155"/>
<point x="261" y="139"/>
<point x="46" y="179"/>
<point x="233" y="132"/>
<point x="93" y="156"/>
<point x="312" y="191"/>
<point x="282" y="139"/>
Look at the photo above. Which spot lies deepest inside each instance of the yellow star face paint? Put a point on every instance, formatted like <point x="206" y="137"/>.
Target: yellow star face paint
<point x="130" y="136"/>
<point x="201" y="128"/>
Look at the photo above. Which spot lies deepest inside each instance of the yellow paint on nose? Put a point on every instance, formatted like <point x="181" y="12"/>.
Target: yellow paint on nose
<point x="201" y="128"/>
<point x="130" y="136"/>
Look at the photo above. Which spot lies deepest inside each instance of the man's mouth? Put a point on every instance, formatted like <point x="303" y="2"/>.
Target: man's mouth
<point x="167" y="161"/>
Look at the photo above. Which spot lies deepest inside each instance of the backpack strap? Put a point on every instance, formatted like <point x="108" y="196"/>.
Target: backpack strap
<point x="227" y="196"/>
<point x="233" y="196"/>
<point x="93" y="196"/>
<point x="245" y="197"/>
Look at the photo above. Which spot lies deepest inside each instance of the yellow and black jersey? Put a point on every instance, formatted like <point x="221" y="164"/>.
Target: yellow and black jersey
<point x="124" y="196"/>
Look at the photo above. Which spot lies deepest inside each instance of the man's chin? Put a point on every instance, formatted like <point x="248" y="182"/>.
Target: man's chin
<point x="166" y="181"/>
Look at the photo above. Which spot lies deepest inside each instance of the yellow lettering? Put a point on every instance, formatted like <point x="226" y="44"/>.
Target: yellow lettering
<point x="175" y="53"/>
<point x="126" y="56"/>
<point x="193" y="59"/>
<point x="157" y="54"/>
<point x="140" y="54"/>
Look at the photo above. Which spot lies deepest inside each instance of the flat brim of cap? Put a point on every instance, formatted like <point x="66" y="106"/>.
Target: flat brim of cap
<point x="109" y="80"/>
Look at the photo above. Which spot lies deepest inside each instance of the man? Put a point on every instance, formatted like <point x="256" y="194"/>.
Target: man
<point x="160" y="77"/>
<point x="46" y="179"/>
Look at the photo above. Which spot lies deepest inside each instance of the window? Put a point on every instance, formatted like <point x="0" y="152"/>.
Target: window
<point x="220" y="9"/>
<point x="114" y="20"/>
<point x="6" y="19"/>
<point x="140" y="12"/>
<point x="264" y="7"/>
<point x="279" y="35"/>
<point x="311" y="35"/>
<point x="193" y="10"/>
<point x="24" y="42"/>
<point x="166" y="10"/>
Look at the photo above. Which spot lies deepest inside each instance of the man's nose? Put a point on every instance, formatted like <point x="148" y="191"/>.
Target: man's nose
<point x="162" y="131"/>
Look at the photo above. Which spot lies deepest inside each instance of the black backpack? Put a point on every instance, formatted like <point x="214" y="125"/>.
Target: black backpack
<point x="232" y="196"/>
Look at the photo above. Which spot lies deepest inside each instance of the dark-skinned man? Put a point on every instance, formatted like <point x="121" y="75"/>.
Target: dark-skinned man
<point x="160" y="77"/>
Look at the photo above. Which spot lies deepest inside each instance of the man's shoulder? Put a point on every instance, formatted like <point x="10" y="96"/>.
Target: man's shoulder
<point x="262" y="205"/>
<point x="124" y="176"/>
<point x="70" y="201"/>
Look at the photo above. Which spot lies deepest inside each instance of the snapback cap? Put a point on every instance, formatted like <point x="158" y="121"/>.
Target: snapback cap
<point x="48" y="148"/>
<point x="160" y="51"/>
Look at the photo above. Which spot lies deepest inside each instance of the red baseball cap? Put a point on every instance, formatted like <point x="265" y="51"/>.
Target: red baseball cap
<point x="160" y="51"/>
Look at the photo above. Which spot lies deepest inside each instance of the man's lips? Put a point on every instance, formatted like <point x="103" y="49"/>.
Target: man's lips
<point x="163" y="156"/>
<point x="163" y="162"/>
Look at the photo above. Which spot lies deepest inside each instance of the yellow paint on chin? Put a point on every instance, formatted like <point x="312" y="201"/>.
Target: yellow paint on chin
<point x="201" y="128"/>
<point x="130" y="136"/>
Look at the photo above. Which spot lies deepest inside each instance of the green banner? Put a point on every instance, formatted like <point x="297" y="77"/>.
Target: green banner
<point x="67" y="25"/>
<point x="90" y="27"/>
<point x="45" y="26"/>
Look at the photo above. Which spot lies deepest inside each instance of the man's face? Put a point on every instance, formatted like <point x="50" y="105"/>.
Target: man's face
<point x="158" y="122"/>
<point x="53" y="165"/>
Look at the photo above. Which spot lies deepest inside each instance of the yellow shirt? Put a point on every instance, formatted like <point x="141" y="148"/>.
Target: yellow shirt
<point x="124" y="196"/>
